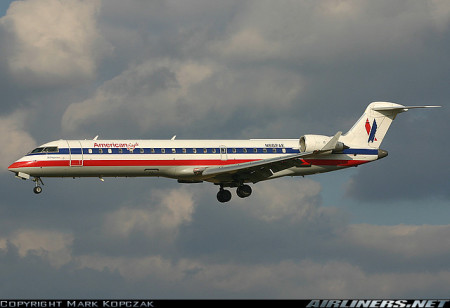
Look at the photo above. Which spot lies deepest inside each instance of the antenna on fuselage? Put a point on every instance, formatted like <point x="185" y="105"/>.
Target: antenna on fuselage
<point x="173" y="138"/>
<point x="95" y="138"/>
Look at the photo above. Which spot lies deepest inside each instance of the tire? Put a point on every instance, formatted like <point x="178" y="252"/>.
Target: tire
<point x="223" y="196"/>
<point x="244" y="191"/>
<point x="37" y="189"/>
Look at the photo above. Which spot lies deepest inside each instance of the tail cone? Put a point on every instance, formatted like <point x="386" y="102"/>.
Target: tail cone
<point x="382" y="153"/>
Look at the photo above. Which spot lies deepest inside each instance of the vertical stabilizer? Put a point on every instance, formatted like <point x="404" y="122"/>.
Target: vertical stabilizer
<point x="370" y="129"/>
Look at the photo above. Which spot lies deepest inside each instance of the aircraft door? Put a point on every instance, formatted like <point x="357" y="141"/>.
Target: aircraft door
<point x="223" y="153"/>
<point x="75" y="152"/>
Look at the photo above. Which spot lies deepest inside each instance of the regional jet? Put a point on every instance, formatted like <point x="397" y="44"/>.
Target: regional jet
<point x="226" y="163"/>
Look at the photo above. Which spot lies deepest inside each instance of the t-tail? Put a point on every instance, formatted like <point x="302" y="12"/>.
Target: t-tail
<point x="370" y="129"/>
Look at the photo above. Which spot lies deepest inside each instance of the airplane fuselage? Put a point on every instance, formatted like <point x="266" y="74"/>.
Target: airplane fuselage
<point x="178" y="159"/>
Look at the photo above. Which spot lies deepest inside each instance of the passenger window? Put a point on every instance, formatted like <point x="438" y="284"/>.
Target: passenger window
<point x="274" y="150"/>
<point x="194" y="151"/>
<point x="214" y="150"/>
<point x="245" y="150"/>
<point x="152" y="151"/>
<point x="109" y="151"/>
<point x="100" y="151"/>
<point x="284" y="150"/>
<point x="184" y="151"/>
<point x="265" y="150"/>
<point x="90" y="151"/>
<point x="255" y="150"/>
<point x="141" y="150"/>
<point x="174" y="151"/>
<point x="234" y="150"/>
<point x="163" y="151"/>
<point x="120" y="151"/>
<point x="205" y="151"/>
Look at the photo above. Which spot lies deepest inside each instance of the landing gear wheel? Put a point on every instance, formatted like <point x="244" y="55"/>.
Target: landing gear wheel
<point x="224" y="195"/>
<point x="244" y="191"/>
<point x="37" y="189"/>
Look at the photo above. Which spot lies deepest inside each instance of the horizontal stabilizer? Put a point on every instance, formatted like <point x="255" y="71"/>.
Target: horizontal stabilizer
<point x="400" y="108"/>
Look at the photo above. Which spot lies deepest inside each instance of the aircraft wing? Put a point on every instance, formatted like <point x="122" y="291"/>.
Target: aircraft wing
<point x="255" y="171"/>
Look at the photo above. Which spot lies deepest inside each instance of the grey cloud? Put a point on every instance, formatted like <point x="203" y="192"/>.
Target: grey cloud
<point x="162" y="94"/>
<point x="252" y="69"/>
<point x="56" y="43"/>
<point x="241" y="255"/>
<point x="417" y="154"/>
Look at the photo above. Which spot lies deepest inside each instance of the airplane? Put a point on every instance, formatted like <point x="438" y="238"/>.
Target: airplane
<point x="226" y="163"/>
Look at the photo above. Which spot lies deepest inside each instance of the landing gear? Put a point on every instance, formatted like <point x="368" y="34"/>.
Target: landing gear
<point x="244" y="191"/>
<point x="223" y="195"/>
<point x="37" y="189"/>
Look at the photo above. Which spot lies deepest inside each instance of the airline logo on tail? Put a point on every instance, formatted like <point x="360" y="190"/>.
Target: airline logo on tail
<point x="371" y="130"/>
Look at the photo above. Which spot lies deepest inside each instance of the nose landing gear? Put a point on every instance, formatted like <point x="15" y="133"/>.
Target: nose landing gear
<point x="37" y="189"/>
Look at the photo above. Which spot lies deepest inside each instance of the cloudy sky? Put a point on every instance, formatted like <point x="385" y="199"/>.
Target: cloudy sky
<point x="226" y="69"/>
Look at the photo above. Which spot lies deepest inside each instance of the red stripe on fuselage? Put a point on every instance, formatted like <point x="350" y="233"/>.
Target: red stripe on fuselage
<point x="202" y="162"/>
<point x="40" y="163"/>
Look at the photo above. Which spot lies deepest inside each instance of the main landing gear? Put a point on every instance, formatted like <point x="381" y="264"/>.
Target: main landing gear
<point x="243" y="191"/>
<point x="37" y="189"/>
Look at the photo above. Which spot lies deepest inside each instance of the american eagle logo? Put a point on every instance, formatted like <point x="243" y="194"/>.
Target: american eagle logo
<point x="371" y="130"/>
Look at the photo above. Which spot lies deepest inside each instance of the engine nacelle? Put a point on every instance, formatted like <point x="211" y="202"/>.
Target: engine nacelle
<point x="311" y="143"/>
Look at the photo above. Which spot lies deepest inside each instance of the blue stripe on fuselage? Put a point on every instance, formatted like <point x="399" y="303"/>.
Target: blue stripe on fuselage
<point x="199" y="151"/>
<point x="361" y="151"/>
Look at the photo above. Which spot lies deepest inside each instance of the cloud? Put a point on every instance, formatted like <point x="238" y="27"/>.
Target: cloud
<point x="314" y="252"/>
<point x="16" y="140"/>
<point x="234" y="69"/>
<point x="160" y="219"/>
<point x="52" y="246"/>
<point x="285" y="279"/>
<point x="295" y="200"/>
<point x="52" y="42"/>
<point x="166" y="94"/>
<point x="411" y="141"/>
<point x="247" y="45"/>
<point x="403" y="241"/>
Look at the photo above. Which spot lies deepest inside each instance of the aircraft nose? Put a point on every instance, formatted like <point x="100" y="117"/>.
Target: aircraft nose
<point x="17" y="165"/>
<point x="382" y="153"/>
<point x="14" y="166"/>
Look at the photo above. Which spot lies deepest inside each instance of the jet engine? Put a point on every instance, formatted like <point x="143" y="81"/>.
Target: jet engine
<point x="311" y="143"/>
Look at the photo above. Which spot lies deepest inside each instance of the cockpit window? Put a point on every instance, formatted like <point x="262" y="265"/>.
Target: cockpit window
<point x="50" y="149"/>
<point x="37" y="150"/>
<point x="45" y="150"/>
